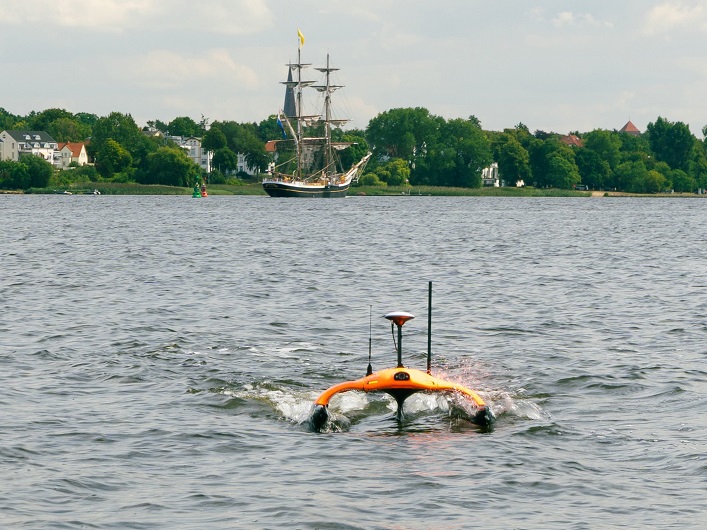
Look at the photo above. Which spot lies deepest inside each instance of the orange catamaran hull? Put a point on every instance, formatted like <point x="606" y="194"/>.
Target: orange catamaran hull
<point x="401" y="382"/>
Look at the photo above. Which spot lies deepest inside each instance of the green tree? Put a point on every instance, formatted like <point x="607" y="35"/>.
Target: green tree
<point x="654" y="182"/>
<point x="394" y="172"/>
<point x="455" y="155"/>
<point x="68" y="130"/>
<point x="681" y="181"/>
<point x="472" y="151"/>
<point x="225" y="160"/>
<point x="253" y="150"/>
<point x="38" y="170"/>
<point x="7" y="120"/>
<point x="40" y="121"/>
<point x="268" y="129"/>
<point x="521" y="133"/>
<point x="356" y="151"/>
<point x="513" y="160"/>
<point x="13" y="175"/>
<point x="214" y="139"/>
<point x="606" y="144"/>
<point x="403" y="133"/>
<point x="370" y="179"/>
<point x="112" y="158"/>
<point x="593" y="169"/>
<point x="631" y="176"/>
<point x="698" y="165"/>
<point x="122" y="129"/>
<point x="243" y="139"/>
<point x="562" y="173"/>
<point x="671" y="142"/>
<point x="170" y="166"/>
<point x="83" y="173"/>
<point x="635" y="148"/>
<point x="86" y="118"/>
<point x="185" y="126"/>
<point x="547" y="172"/>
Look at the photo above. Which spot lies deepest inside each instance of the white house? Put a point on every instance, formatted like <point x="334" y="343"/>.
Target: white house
<point x="72" y="152"/>
<point x="489" y="176"/>
<point x="14" y="144"/>
<point x="193" y="149"/>
<point x="244" y="167"/>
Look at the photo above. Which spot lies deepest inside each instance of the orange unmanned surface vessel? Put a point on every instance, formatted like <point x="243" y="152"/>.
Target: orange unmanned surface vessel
<point x="401" y="382"/>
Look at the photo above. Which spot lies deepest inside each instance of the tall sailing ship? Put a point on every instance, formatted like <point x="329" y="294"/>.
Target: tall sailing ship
<point x="308" y="164"/>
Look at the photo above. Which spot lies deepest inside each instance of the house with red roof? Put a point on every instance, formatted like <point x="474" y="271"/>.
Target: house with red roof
<point x="631" y="129"/>
<point x="572" y="140"/>
<point x="72" y="152"/>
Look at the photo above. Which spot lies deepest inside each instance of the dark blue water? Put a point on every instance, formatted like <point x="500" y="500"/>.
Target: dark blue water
<point x="159" y="356"/>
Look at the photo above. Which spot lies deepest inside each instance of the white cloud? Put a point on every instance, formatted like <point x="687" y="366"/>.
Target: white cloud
<point x="567" y="18"/>
<point x="564" y="19"/>
<point x="167" y="69"/>
<point x="225" y="16"/>
<point x="669" y="16"/>
<point x="98" y="14"/>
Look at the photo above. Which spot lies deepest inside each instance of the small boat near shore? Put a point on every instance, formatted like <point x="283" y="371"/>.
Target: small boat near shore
<point x="308" y="164"/>
<point x="402" y="382"/>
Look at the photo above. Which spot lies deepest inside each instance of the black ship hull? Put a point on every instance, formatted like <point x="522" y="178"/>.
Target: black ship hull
<point x="284" y="189"/>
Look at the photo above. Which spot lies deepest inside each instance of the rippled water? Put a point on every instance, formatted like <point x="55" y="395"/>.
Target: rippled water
<point x="159" y="355"/>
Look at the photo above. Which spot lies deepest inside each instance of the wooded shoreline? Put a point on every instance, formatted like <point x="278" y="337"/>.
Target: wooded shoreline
<point x="256" y="189"/>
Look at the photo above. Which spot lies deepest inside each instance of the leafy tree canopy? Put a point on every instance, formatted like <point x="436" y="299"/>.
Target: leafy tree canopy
<point x="214" y="139"/>
<point x="41" y="121"/>
<point x="112" y="158"/>
<point x="402" y="133"/>
<point x="393" y="173"/>
<point x="116" y="126"/>
<point x="185" y="126"/>
<point x="68" y="130"/>
<point x="225" y="160"/>
<point x="513" y="159"/>
<point x="593" y="169"/>
<point x="169" y="166"/>
<point x="671" y="142"/>
<point x="29" y="172"/>
<point x="605" y="144"/>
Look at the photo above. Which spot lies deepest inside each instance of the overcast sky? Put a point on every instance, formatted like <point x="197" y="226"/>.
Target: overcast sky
<point x="553" y="65"/>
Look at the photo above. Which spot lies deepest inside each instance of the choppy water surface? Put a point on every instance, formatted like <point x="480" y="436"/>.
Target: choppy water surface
<point x="159" y="355"/>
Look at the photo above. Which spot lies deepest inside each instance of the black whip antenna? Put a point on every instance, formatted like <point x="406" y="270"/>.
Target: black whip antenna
<point x="369" y="370"/>
<point x="429" y="328"/>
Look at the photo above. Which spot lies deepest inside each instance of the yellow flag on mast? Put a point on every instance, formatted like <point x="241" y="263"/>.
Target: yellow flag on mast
<point x="301" y="38"/>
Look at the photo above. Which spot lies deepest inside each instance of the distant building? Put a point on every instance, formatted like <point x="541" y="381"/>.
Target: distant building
<point x="572" y="140"/>
<point x="17" y="143"/>
<point x="631" y="129"/>
<point x="193" y="149"/>
<point x="244" y="167"/>
<point x="152" y="132"/>
<point x="271" y="150"/>
<point x="489" y="176"/>
<point x="72" y="152"/>
<point x="271" y="147"/>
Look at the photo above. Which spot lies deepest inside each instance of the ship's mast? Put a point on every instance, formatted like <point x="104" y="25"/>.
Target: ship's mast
<point x="329" y="156"/>
<point x="298" y="141"/>
<point x="328" y="88"/>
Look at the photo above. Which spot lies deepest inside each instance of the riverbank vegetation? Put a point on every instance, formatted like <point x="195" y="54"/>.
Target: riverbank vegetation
<point x="414" y="152"/>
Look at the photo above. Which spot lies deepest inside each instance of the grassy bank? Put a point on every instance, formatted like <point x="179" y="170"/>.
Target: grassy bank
<point x="465" y="192"/>
<point x="130" y="188"/>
